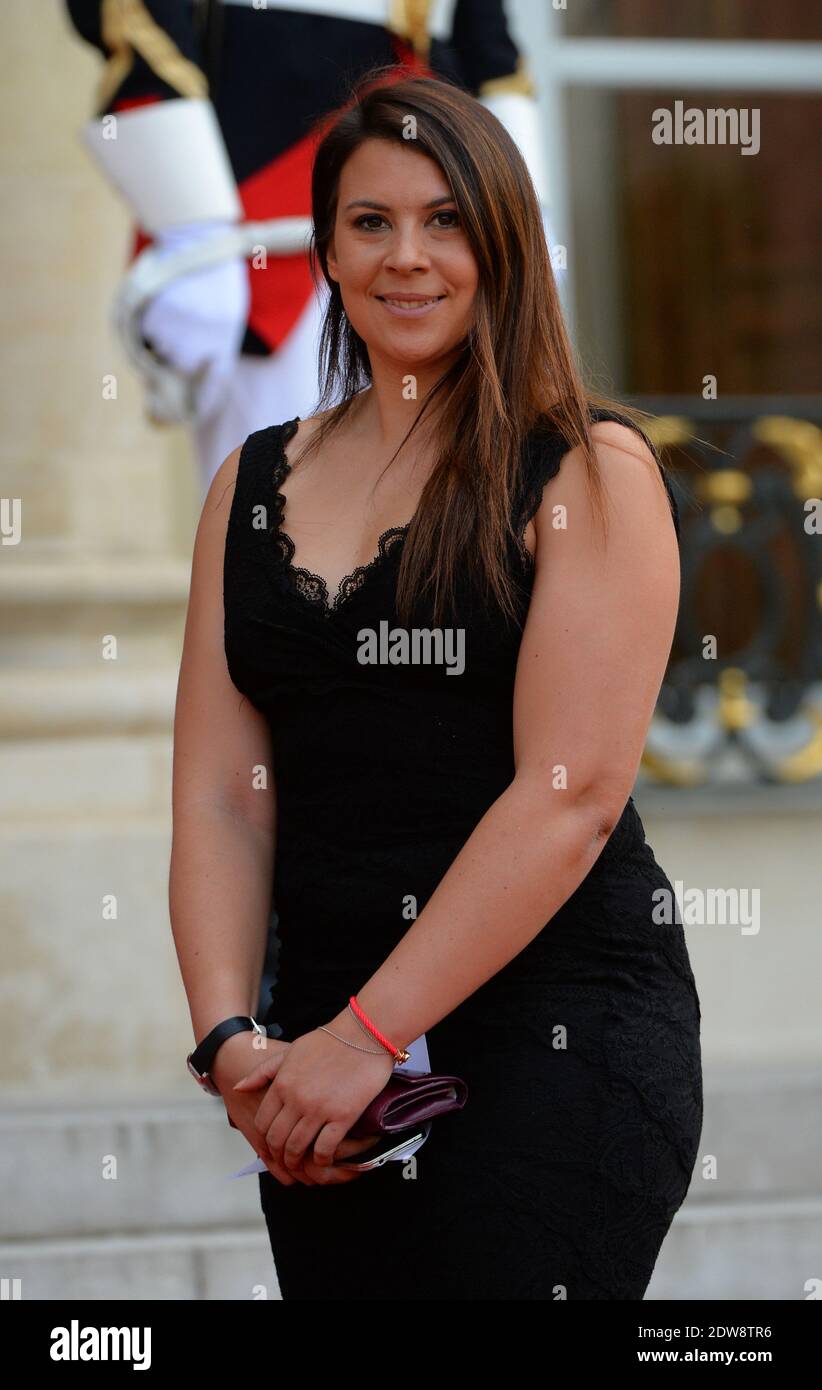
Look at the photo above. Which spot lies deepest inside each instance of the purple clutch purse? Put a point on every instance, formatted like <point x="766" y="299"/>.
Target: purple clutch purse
<point x="408" y="1098"/>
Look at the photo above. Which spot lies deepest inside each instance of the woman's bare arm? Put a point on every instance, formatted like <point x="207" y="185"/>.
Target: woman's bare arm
<point x="592" y="658"/>
<point x="222" y="851"/>
<point x="222" y="856"/>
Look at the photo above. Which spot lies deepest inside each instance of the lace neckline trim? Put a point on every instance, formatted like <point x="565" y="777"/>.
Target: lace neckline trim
<point x="313" y="587"/>
<point x="310" y="586"/>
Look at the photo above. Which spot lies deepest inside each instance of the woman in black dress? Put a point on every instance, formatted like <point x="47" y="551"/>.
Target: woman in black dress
<point x="450" y="837"/>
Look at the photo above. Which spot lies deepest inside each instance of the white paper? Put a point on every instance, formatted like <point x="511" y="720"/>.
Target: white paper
<point x="418" y="1061"/>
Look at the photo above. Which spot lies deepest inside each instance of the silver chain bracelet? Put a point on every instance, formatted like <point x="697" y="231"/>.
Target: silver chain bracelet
<point x="375" y="1051"/>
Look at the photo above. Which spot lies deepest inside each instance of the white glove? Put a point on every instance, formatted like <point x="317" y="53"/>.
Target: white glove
<point x="197" y="323"/>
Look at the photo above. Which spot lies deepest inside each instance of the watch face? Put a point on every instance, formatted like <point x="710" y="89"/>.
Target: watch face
<point x="202" y="1079"/>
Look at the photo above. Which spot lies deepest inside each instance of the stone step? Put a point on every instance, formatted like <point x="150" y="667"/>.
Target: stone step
<point x="741" y="1250"/>
<point x="57" y="612"/>
<point x="763" y="1129"/>
<point x="168" y="1162"/>
<point x="761" y="1134"/>
<point x="195" y="1264"/>
<point x="106" y="699"/>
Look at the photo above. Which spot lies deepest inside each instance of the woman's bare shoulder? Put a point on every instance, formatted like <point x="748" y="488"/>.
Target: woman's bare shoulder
<point x="307" y="428"/>
<point x="221" y="491"/>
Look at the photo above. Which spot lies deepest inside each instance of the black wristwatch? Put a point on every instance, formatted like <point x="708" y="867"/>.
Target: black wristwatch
<point x="200" y="1060"/>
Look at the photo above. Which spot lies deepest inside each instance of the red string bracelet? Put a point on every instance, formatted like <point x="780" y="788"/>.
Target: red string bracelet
<point x="398" y="1053"/>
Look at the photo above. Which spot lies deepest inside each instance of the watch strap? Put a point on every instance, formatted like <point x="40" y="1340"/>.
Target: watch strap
<point x="201" y="1059"/>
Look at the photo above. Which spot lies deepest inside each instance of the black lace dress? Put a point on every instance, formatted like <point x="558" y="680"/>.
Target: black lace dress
<point x="561" y="1176"/>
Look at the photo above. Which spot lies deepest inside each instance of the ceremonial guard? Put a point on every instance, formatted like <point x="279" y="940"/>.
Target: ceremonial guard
<point x="207" y="116"/>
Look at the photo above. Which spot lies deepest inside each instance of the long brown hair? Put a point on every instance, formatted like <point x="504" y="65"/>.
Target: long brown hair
<point x="515" y="369"/>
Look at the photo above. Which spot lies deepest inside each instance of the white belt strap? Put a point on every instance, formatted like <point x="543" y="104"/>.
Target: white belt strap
<point x="396" y="15"/>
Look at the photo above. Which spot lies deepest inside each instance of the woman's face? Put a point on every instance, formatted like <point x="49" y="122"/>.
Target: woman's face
<point x="398" y="237"/>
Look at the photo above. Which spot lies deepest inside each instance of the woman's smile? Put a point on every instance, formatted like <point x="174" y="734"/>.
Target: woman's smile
<point x="409" y="306"/>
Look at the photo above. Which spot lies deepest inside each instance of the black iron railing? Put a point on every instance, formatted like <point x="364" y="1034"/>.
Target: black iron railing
<point x="742" y="696"/>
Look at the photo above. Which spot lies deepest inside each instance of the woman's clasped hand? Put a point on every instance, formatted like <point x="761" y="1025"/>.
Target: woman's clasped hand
<point x="317" y="1088"/>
